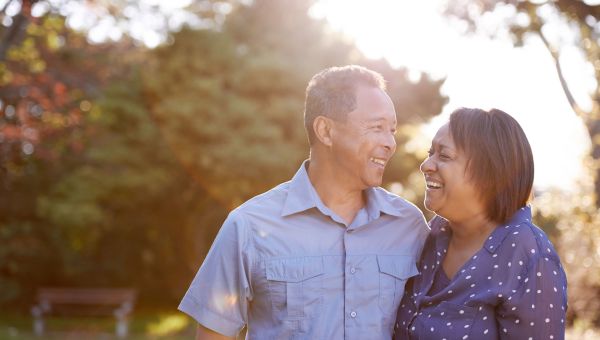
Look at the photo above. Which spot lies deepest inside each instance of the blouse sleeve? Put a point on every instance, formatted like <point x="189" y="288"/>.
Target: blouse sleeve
<point x="537" y="308"/>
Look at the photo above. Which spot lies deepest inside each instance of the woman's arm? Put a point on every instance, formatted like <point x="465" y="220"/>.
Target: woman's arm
<point x="537" y="308"/>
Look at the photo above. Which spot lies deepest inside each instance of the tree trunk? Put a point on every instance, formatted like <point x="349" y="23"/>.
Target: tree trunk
<point x="14" y="33"/>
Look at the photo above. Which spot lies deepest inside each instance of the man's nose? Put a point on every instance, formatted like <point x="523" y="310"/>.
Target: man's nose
<point x="390" y="142"/>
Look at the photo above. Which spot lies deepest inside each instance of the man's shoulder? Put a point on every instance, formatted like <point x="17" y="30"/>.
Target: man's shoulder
<point x="269" y="201"/>
<point x="398" y="203"/>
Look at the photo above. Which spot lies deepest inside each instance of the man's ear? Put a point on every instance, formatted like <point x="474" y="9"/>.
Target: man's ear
<point x="323" y="129"/>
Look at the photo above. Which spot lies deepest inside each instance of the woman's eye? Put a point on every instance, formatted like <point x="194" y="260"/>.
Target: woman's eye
<point x="444" y="156"/>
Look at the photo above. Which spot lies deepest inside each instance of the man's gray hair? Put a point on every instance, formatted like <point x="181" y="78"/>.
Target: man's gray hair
<point x="332" y="93"/>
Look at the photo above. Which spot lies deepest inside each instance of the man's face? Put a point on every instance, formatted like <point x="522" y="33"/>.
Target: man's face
<point x="363" y="143"/>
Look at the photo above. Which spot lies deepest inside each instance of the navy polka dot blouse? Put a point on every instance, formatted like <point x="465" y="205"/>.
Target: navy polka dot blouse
<point x="512" y="288"/>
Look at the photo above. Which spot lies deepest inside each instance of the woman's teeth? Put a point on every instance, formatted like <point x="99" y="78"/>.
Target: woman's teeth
<point x="433" y="185"/>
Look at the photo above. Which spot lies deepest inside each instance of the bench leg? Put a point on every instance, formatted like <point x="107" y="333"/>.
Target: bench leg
<point x="38" y="326"/>
<point x="38" y="320"/>
<point x="122" y="328"/>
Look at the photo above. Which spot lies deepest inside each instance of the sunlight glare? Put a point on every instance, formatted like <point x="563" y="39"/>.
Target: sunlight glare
<point x="391" y="29"/>
<point x="479" y="72"/>
<point x="169" y="324"/>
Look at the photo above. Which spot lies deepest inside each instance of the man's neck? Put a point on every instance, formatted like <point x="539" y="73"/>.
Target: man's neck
<point x="335" y="192"/>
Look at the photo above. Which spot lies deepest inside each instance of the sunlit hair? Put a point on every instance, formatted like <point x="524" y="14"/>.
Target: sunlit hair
<point x="500" y="161"/>
<point x="332" y="93"/>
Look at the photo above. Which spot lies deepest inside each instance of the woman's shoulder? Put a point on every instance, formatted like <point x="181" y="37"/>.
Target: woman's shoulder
<point x="528" y="241"/>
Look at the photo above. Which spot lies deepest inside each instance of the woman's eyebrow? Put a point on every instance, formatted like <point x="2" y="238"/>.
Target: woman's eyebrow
<point x="441" y="146"/>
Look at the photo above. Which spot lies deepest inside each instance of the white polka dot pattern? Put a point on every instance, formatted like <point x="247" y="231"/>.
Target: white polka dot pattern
<point x="514" y="287"/>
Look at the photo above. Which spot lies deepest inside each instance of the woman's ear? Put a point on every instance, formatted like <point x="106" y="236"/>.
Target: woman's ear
<point x="323" y="129"/>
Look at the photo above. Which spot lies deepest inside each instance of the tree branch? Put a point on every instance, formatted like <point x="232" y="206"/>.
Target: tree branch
<point x="576" y="109"/>
<point x="12" y="33"/>
<point x="3" y="10"/>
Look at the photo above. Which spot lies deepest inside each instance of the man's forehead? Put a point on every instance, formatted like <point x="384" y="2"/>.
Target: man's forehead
<point x="382" y="119"/>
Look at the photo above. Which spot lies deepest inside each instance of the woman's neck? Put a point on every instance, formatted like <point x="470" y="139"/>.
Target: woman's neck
<point x="472" y="232"/>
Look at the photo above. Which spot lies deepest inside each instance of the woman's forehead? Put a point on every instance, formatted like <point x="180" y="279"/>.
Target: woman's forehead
<point x="443" y="138"/>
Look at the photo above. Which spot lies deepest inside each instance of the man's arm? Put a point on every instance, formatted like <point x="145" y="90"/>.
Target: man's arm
<point x="203" y="333"/>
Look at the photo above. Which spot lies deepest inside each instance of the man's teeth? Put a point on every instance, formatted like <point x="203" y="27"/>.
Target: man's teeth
<point x="378" y="161"/>
<point x="434" y="185"/>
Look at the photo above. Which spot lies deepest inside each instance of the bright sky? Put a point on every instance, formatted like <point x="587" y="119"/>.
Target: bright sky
<point x="479" y="72"/>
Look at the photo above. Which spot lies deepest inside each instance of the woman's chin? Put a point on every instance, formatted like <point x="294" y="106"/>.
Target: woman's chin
<point x="429" y="205"/>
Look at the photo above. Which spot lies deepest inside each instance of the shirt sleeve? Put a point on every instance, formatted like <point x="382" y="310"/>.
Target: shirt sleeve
<point x="537" y="308"/>
<point x="219" y="294"/>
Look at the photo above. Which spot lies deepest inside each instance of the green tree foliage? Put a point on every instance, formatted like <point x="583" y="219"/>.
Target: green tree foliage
<point x="128" y="214"/>
<point x="234" y="113"/>
<point x="47" y="80"/>
<point x="168" y="148"/>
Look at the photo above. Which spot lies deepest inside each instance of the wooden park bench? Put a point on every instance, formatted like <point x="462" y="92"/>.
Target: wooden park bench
<point x="84" y="301"/>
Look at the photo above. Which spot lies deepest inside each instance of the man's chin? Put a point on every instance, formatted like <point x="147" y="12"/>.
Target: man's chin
<point x="371" y="184"/>
<point x="375" y="183"/>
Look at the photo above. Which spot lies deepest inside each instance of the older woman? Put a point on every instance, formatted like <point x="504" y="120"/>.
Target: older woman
<point x="487" y="272"/>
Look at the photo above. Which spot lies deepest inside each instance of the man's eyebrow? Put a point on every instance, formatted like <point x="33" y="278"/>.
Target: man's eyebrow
<point x="372" y="120"/>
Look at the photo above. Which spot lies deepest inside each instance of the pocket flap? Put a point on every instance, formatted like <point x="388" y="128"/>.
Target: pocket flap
<point x="399" y="266"/>
<point x="294" y="269"/>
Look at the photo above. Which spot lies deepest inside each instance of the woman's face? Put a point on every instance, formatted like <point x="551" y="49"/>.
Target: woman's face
<point x="449" y="192"/>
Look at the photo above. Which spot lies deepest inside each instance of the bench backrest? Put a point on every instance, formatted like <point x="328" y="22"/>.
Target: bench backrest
<point x="86" y="296"/>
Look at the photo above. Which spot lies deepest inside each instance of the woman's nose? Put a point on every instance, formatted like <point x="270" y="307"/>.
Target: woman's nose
<point x="427" y="165"/>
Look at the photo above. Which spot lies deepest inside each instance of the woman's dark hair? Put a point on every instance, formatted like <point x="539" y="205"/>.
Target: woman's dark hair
<point x="500" y="161"/>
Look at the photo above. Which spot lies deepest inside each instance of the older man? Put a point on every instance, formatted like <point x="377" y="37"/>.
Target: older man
<point x="325" y="255"/>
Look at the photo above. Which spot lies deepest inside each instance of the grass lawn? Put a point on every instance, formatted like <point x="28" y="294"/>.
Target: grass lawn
<point x="144" y="324"/>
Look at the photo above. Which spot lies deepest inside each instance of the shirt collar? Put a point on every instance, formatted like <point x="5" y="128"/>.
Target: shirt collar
<point x="497" y="236"/>
<point x="301" y="193"/>
<point x="379" y="201"/>
<point x="303" y="196"/>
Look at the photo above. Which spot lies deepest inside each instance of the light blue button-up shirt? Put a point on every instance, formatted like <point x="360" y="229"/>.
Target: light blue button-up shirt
<point x="288" y="267"/>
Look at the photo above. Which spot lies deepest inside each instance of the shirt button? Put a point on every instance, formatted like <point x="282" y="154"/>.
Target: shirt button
<point x="353" y="314"/>
<point x="352" y="270"/>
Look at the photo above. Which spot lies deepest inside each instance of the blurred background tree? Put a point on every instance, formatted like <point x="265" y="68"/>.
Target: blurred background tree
<point x="573" y="219"/>
<point x="48" y="75"/>
<point x="134" y="155"/>
<point x="524" y="19"/>
<point x="129" y="129"/>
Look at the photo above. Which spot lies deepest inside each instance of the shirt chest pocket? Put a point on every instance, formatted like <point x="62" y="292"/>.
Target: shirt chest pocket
<point x="295" y="286"/>
<point x="394" y="271"/>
